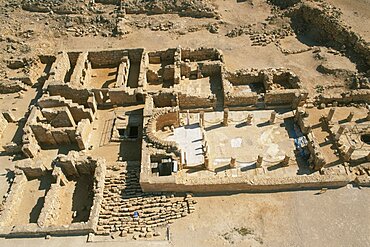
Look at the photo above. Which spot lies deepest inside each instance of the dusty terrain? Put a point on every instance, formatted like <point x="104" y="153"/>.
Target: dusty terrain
<point x="252" y="34"/>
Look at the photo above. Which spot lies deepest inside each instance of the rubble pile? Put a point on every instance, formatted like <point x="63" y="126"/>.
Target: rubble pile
<point x="194" y="8"/>
<point x="127" y="210"/>
<point x="274" y="28"/>
<point x="56" y="6"/>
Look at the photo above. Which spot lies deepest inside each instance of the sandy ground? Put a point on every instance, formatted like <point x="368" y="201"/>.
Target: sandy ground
<point x="354" y="13"/>
<point x="304" y="218"/>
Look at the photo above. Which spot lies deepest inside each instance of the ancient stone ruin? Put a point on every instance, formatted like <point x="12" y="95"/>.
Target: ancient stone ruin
<point x="115" y="141"/>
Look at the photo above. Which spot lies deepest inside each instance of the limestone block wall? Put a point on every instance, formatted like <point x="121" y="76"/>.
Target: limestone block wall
<point x="159" y="119"/>
<point x="75" y="164"/>
<point x="167" y="119"/>
<point x="49" y="214"/>
<point x="11" y="86"/>
<point x="354" y="96"/>
<point x="109" y="58"/>
<point x="245" y="77"/>
<point x="78" y="112"/>
<point x="78" y="95"/>
<point x="3" y="124"/>
<point x="157" y="57"/>
<point x="13" y="201"/>
<point x="285" y="97"/>
<point x="47" y="135"/>
<point x="316" y="159"/>
<point x="106" y="58"/>
<point x="302" y="122"/>
<point x="58" y="69"/>
<point x="187" y="101"/>
<point x="30" y="145"/>
<point x="59" y="116"/>
<point x="201" y="54"/>
<point x="235" y="98"/>
<point x="32" y="168"/>
<point x="121" y="97"/>
<point x="43" y="134"/>
<point x="82" y="70"/>
<point x="211" y="68"/>
<point x="169" y="73"/>
<point x="141" y="55"/>
<point x="240" y="183"/>
<point x="123" y="73"/>
<point x="83" y="134"/>
<point x="240" y="99"/>
<point x="165" y="99"/>
<point x="185" y="69"/>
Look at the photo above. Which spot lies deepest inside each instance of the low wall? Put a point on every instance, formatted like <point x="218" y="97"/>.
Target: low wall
<point x="228" y="184"/>
<point x="201" y="54"/>
<point x="240" y="99"/>
<point x="190" y="101"/>
<point x="288" y="97"/>
<point x="354" y="96"/>
<point x="109" y="58"/>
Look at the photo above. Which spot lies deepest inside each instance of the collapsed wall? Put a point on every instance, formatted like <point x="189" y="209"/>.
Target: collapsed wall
<point x="331" y="30"/>
<point x="197" y="8"/>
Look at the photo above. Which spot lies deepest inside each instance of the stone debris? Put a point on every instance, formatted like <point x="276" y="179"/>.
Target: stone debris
<point x="127" y="210"/>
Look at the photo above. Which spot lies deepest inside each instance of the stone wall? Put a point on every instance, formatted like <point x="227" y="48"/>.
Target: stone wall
<point x="82" y="70"/>
<point x="120" y="97"/>
<point x="240" y="99"/>
<point x="30" y="146"/>
<point x="354" y="96"/>
<point x="83" y="134"/>
<point x="49" y="214"/>
<point x="3" y="124"/>
<point x="165" y="99"/>
<point x="78" y="112"/>
<point x="58" y="70"/>
<point x="11" y="86"/>
<point x="159" y="119"/>
<point x="241" y="183"/>
<point x="285" y="97"/>
<point x="201" y="54"/>
<point x="110" y="58"/>
<point x="316" y="159"/>
<point x="211" y="68"/>
<point x="193" y="101"/>
<point x="245" y="77"/>
<point x="158" y="57"/>
<point x="77" y="95"/>
<point x="45" y="134"/>
<point x="13" y="201"/>
<point x="197" y="8"/>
